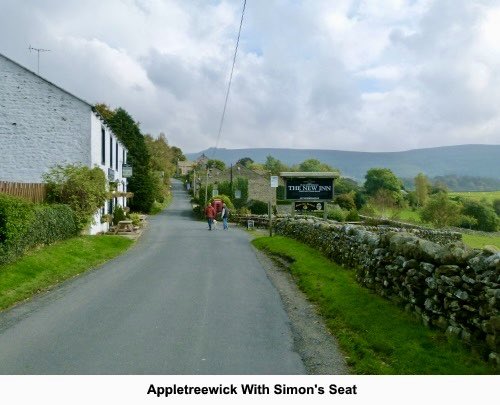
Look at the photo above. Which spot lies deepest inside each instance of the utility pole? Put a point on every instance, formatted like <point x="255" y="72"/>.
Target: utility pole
<point x="38" y="50"/>
<point x="194" y="183"/>
<point x="231" y="182"/>
<point x="206" y="187"/>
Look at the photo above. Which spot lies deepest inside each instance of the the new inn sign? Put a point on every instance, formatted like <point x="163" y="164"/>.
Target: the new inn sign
<point x="309" y="186"/>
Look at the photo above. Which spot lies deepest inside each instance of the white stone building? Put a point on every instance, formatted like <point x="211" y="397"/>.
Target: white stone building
<point x="42" y="125"/>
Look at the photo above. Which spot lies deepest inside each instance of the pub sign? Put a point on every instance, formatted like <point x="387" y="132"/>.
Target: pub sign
<point x="300" y="188"/>
<point x="310" y="206"/>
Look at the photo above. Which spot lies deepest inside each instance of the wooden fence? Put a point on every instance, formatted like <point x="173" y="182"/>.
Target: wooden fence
<point x="34" y="192"/>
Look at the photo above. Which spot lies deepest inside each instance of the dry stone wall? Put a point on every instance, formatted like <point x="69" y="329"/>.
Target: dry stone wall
<point x="449" y="286"/>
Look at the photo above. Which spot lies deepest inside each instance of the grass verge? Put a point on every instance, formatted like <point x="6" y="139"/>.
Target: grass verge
<point x="376" y="336"/>
<point x="50" y="265"/>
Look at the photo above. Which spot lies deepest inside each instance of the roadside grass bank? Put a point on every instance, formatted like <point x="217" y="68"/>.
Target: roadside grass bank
<point x="39" y="270"/>
<point x="376" y="336"/>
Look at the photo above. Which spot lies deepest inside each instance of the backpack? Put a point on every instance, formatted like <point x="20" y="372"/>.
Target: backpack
<point x="226" y="213"/>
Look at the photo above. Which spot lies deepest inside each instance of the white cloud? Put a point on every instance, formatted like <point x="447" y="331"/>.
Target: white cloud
<point x="349" y="74"/>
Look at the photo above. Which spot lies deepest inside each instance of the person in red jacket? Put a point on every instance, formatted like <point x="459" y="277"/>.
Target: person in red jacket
<point x="210" y="215"/>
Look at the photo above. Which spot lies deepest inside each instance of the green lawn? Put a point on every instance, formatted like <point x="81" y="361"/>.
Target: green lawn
<point x="477" y="195"/>
<point x="376" y="336"/>
<point x="50" y="265"/>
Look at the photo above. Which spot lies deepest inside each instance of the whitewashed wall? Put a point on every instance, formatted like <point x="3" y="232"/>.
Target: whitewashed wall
<point x="97" y="160"/>
<point x="40" y="125"/>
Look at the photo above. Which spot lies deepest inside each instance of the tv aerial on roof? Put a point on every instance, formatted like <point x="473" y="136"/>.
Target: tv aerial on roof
<point x="38" y="50"/>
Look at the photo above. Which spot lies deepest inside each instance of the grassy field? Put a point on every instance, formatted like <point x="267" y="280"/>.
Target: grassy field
<point x="408" y="215"/>
<point x="42" y="269"/>
<point x="489" y="196"/>
<point x="479" y="241"/>
<point x="376" y="336"/>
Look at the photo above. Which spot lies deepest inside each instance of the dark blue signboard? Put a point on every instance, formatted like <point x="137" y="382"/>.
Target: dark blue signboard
<point x="308" y="188"/>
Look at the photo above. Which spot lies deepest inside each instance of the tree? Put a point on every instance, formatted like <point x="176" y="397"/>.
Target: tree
<point x="104" y="111"/>
<point x="178" y="155"/>
<point x="439" y="187"/>
<point x="163" y="157"/>
<point x="78" y="186"/>
<point x="142" y="183"/>
<point x="246" y="162"/>
<point x="217" y="164"/>
<point x="346" y="201"/>
<point x="384" y="201"/>
<point x="496" y="206"/>
<point x="259" y="167"/>
<point x="422" y="187"/>
<point x="381" y="178"/>
<point x="275" y="166"/>
<point x="314" y="165"/>
<point x="441" y="211"/>
<point x="344" y="185"/>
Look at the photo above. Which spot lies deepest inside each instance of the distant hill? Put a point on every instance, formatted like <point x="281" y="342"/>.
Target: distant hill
<point x="460" y="160"/>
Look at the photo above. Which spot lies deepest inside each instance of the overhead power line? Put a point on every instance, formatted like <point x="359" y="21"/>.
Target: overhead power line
<point x="230" y="80"/>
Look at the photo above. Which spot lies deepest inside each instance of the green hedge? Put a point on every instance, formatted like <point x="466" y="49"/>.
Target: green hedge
<point x="258" y="207"/>
<point x="24" y="225"/>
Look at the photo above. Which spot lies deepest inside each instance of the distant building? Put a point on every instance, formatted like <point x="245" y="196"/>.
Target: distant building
<point x="42" y="125"/>
<point x="259" y="186"/>
<point x="202" y="160"/>
<point x="185" y="166"/>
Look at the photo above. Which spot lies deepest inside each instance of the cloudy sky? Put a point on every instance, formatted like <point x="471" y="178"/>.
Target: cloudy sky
<point x="368" y="75"/>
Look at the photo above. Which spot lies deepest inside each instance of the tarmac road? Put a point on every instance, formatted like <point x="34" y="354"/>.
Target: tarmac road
<point x="183" y="300"/>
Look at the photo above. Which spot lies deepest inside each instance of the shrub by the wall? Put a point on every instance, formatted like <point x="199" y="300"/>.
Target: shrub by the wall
<point x="258" y="207"/>
<point x="24" y="225"/>
<point x="52" y="223"/>
<point x="118" y="215"/>
<point x="336" y="213"/>
<point x="82" y="188"/>
<point x="16" y="216"/>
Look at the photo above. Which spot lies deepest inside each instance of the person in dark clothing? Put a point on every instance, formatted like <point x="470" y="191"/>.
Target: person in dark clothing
<point x="225" y="215"/>
<point x="210" y="215"/>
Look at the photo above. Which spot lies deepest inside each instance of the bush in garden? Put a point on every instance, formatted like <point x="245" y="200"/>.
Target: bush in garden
<point x="78" y="186"/>
<point x="118" y="215"/>
<point x="156" y="208"/>
<point x="135" y="218"/>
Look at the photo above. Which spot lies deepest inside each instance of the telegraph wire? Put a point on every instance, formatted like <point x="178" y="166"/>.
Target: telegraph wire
<point x="230" y="80"/>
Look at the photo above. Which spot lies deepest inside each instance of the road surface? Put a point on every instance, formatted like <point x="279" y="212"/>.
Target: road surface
<point x="183" y="300"/>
